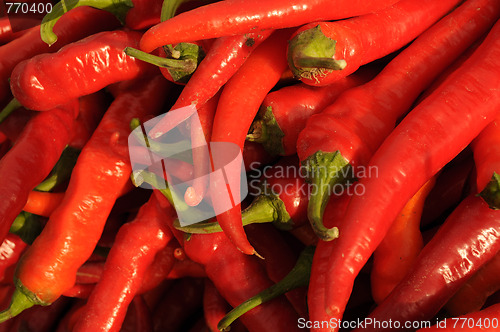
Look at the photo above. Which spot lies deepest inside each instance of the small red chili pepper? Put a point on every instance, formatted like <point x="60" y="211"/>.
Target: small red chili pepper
<point x="337" y="143"/>
<point x="468" y="239"/>
<point x="212" y="20"/>
<point x="401" y="173"/>
<point x="38" y="149"/>
<point x="484" y="320"/>
<point x="48" y="268"/>
<point x="474" y="293"/>
<point x="11" y="249"/>
<point x="284" y="112"/>
<point x="244" y="92"/>
<point x="6" y="33"/>
<point x="95" y="62"/>
<point x="486" y="149"/>
<point x="214" y="306"/>
<point x="400" y="247"/>
<point x="42" y="203"/>
<point x="213" y="251"/>
<point x="77" y="24"/>
<point x="346" y="45"/>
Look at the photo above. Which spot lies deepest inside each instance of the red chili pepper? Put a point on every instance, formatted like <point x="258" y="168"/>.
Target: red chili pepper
<point x="410" y="156"/>
<point x="13" y="125"/>
<point x="214" y="306"/>
<point x="484" y="320"/>
<point x="466" y="241"/>
<point x="255" y="156"/>
<point x="337" y="143"/>
<point x="76" y="25"/>
<point x="244" y="92"/>
<point x="214" y="251"/>
<point x="6" y="33"/>
<point x="346" y="45"/>
<point x="135" y="247"/>
<point x="473" y="294"/>
<point x="179" y="304"/>
<point x="186" y="268"/>
<point x="95" y="62"/>
<point x="486" y="149"/>
<point x="211" y="21"/>
<point x="11" y="249"/>
<point x="48" y="268"/>
<point x="161" y="267"/>
<point x="42" y="203"/>
<point x="284" y="112"/>
<point x="92" y="108"/>
<point x="37" y="149"/>
<point x="400" y="247"/>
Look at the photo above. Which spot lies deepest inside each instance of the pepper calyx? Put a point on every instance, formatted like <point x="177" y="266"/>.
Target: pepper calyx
<point x="266" y="130"/>
<point x="491" y="193"/>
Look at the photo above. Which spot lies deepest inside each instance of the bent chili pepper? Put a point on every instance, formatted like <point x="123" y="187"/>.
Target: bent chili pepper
<point x="486" y="149"/>
<point x="48" y="268"/>
<point x="77" y="24"/>
<point x="337" y="143"/>
<point x="95" y="62"/>
<point x="400" y="247"/>
<point x="284" y="112"/>
<point x="320" y="53"/>
<point x="244" y="92"/>
<point x="473" y="294"/>
<point x="456" y="112"/>
<point x="134" y="249"/>
<point x="211" y="21"/>
<point x="468" y="239"/>
<point x="38" y="149"/>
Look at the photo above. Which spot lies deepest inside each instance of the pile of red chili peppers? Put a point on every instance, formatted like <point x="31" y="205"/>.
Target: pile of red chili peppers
<point x="370" y="135"/>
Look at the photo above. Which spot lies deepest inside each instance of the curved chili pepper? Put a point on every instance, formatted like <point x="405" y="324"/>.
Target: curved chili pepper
<point x="214" y="306"/>
<point x="338" y="142"/>
<point x="486" y="149"/>
<point x="6" y="33"/>
<point x="77" y="24"/>
<point x="48" y="268"/>
<point x="211" y="21"/>
<point x="484" y="320"/>
<point x="401" y="173"/>
<point x="38" y="149"/>
<point x="135" y="247"/>
<point x="95" y="62"/>
<point x="473" y="294"/>
<point x="214" y="252"/>
<point x="42" y="203"/>
<point x="346" y="45"/>
<point x="284" y="112"/>
<point x="244" y="92"/>
<point x="466" y="241"/>
<point x="400" y="247"/>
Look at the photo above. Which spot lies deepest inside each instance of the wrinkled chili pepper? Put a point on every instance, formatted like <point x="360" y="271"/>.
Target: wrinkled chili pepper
<point x="369" y="216"/>
<point x="486" y="149"/>
<point x="95" y="62"/>
<point x="400" y="247"/>
<point x="38" y="149"/>
<point x="362" y="117"/>
<point x="283" y="113"/>
<point x="346" y="45"/>
<point x="211" y="21"/>
<point x="213" y="251"/>
<point x="473" y="294"/>
<point x="466" y="241"/>
<point x="77" y="223"/>
<point x="76" y="25"/>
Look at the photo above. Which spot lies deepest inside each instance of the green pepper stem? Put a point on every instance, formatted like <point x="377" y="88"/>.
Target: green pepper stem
<point x="266" y="130"/>
<point x="20" y="302"/>
<point x="169" y="8"/>
<point x="13" y="105"/>
<point x="188" y="65"/>
<point x="119" y="8"/>
<point x="297" y="277"/>
<point x="303" y="61"/>
<point x="61" y="171"/>
<point x="491" y="193"/>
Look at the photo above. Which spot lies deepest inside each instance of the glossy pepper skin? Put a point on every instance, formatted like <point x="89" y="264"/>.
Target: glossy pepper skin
<point x="88" y="66"/>
<point x="346" y="134"/>
<point x="469" y="93"/>
<point x="38" y="149"/>
<point x="244" y="16"/>
<point x="134" y="249"/>
<point x="346" y="45"/>
<point x="77" y="24"/>
<point x="468" y="239"/>
<point x="103" y="169"/>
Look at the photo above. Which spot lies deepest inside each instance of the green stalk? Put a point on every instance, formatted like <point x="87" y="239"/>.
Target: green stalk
<point x="298" y="277"/>
<point x="13" y="105"/>
<point x="61" y="171"/>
